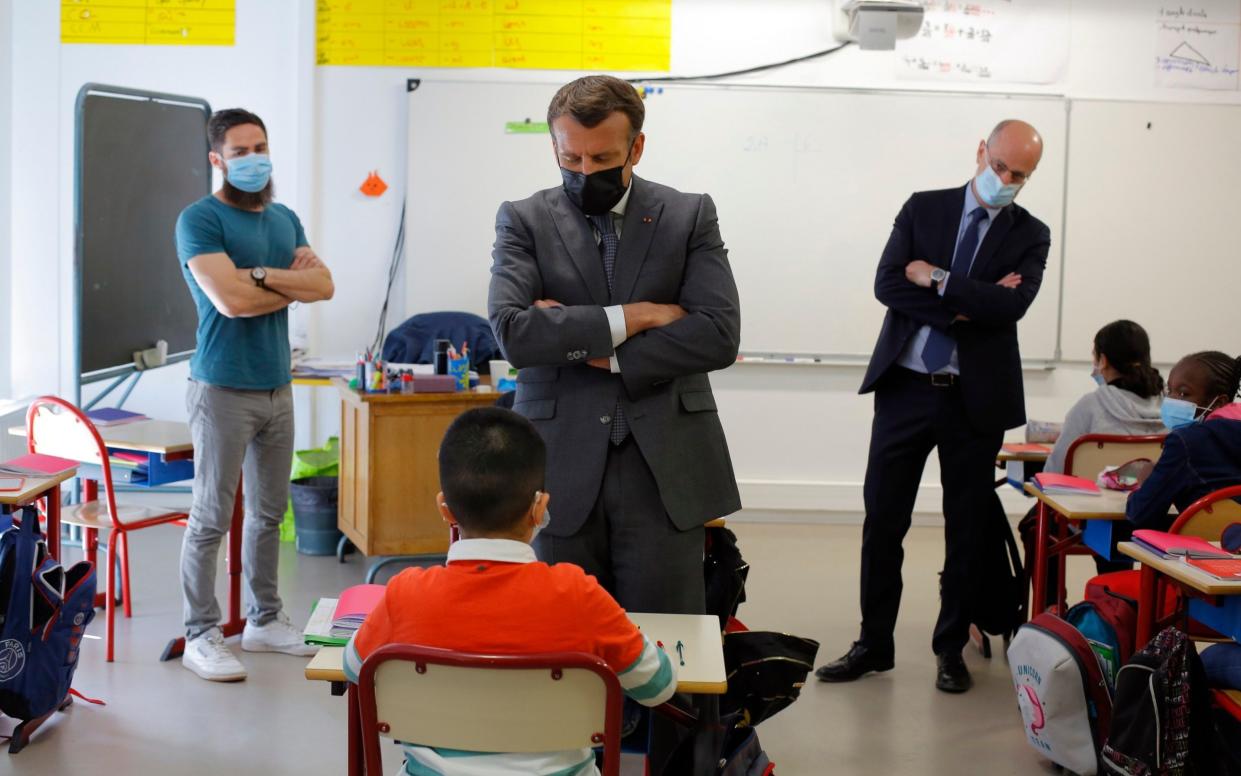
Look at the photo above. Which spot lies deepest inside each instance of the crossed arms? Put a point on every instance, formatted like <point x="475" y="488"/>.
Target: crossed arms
<point x="234" y="293"/>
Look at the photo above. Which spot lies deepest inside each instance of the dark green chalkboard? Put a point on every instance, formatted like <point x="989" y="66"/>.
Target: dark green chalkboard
<point x="141" y="157"/>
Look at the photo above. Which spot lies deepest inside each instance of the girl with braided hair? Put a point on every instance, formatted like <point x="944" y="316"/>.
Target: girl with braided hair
<point x="1203" y="449"/>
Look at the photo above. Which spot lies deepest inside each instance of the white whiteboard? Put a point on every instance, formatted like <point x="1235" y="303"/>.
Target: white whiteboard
<point x="1153" y="225"/>
<point x="807" y="183"/>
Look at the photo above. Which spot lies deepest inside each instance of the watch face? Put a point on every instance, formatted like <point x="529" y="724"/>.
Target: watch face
<point x="258" y="273"/>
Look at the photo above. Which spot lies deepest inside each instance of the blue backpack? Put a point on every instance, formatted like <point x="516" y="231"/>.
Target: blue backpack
<point x="44" y="611"/>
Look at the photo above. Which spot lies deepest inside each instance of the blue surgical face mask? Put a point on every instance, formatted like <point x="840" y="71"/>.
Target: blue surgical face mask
<point x="1098" y="377"/>
<point x="250" y="173"/>
<point x="991" y="190"/>
<point x="1178" y="413"/>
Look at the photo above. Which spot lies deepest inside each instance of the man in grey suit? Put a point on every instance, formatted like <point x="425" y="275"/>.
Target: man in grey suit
<point x="614" y="297"/>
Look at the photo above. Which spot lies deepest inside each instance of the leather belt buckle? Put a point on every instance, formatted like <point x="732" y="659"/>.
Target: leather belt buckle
<point x="943" y="380"/>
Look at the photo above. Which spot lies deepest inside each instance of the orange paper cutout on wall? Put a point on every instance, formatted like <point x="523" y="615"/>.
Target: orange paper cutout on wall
<point x="373" y="186"/>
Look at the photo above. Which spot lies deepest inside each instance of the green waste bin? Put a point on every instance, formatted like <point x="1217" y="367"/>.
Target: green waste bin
<point x="318" y="462"/>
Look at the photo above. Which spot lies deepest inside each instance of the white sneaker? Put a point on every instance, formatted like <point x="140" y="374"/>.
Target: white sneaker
<point x="209" y="657"/>
<point x="279" y="635"/>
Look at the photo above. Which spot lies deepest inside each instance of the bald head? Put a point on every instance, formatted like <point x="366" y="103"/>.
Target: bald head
<point x="1013" y="150"/>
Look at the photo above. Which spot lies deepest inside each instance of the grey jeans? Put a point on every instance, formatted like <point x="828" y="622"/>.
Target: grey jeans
<point x="235" y="433"/>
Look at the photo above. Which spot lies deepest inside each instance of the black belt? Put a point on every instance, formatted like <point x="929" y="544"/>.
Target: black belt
<point x="937" y="380"/>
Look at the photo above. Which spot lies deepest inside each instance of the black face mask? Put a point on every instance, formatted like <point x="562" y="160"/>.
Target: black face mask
<point x="597" y="193"/>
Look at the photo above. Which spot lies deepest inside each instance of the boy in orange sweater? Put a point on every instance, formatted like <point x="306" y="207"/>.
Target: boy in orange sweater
<point x="493" y="596"/>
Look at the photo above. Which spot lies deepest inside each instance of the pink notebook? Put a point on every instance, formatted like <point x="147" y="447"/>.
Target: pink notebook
<point x="1179" y="544"/>
<point x="1065" y="484"/>
<point x="36" y="465"/>
<point x="354" y="604"/>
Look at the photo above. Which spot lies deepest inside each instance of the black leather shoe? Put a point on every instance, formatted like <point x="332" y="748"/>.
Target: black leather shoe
<point x="857" y="662"/>
<point x="951" y="674"/>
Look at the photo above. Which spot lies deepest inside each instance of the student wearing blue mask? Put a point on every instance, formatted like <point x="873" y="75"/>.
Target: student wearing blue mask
<point x="1203" y="450"/>
<point x="245" y="259"/>
<point x="1128" y="395"/>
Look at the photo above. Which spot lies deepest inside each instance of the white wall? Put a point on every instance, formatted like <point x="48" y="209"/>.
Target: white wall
<point x="798" y="434"/>
<point x="6" y="154"/>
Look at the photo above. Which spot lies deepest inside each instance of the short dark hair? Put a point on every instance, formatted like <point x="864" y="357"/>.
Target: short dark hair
<point x="492" y="460"/>
<point x="592" y="98"/>
<point x="1128" y="351"/>
<point x="223" y="120"/>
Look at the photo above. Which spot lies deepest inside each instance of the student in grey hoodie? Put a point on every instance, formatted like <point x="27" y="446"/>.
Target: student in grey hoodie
<point x="1127" y="401"/>
<point x="1129" y="393"/>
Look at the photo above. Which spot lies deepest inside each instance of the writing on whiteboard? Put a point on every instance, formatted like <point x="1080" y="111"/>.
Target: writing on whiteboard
<point x="1197" y="46"/>
<point x="988" y="40"/>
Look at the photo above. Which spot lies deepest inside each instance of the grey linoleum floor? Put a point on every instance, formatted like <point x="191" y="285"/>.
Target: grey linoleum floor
<point x="161" y="719"/>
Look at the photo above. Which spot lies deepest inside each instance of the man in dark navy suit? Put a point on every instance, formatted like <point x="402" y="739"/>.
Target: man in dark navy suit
<point x="960" y="269"/>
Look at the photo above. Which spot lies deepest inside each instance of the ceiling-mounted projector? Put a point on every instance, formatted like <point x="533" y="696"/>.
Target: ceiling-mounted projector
<point x="877" y="25"/>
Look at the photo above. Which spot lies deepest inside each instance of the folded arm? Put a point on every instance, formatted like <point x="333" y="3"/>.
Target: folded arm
<point x="233" y="295"/>
<point x="895" y="291"/>
<point x="307" y="280"/>
<point x="548" y="334"/>
<point x="707" y="337"/>
<point x="995" y="303"/>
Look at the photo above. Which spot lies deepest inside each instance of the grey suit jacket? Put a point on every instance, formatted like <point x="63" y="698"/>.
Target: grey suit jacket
<point x="670" y="252"/>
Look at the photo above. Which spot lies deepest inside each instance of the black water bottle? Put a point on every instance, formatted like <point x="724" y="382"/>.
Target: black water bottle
<point x="441" y="356"/>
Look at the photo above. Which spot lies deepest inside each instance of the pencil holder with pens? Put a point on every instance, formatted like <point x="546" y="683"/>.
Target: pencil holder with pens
<point x="459" y="370"/>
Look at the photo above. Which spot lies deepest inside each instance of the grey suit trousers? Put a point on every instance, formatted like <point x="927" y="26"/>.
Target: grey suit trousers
<point x="630" y="545"/>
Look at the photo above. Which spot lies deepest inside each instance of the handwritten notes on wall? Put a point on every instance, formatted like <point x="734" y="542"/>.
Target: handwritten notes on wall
<point x="548" y="34"/>
<point x="148" y="22"/>
<point x="1005" y="41"/>
<point x="1198" y="46"/>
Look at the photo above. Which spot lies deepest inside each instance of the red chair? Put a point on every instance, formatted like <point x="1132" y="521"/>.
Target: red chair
<point x="1206" y="518"/>
<point x="1086" y="457"/>
<point x="488" y="703"/>
<point x="56" y="427"/>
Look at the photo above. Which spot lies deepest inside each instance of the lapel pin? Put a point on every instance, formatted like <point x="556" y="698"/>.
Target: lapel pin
<point x="646" y="219"/>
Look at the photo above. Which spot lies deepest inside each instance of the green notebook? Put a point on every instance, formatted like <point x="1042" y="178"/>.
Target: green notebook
<point x="319" y="627"/>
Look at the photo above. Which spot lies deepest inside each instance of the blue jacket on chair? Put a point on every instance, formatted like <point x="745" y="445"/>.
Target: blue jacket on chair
<point x="413" y="342"/>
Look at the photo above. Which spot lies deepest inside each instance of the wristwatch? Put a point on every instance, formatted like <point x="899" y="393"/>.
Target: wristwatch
<point x="939" y="275"/>
<point x="259" y="276"/>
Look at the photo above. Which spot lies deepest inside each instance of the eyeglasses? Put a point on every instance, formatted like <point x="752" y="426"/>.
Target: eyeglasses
<point x="1000" y="168"/>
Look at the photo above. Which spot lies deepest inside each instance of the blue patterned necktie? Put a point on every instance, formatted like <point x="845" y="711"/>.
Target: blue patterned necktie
<point x="609" y="243"/>
<point x="937" y="352"/>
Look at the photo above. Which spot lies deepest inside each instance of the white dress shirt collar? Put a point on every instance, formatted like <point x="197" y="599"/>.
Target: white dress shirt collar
<point x="497" y="550"/>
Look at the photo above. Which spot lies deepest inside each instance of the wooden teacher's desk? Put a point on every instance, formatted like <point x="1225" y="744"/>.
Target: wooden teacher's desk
<point x="389" y="468"/>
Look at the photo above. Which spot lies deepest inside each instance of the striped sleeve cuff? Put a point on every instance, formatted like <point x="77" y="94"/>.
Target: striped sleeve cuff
<point x="353" y="661"/>
<point x="652" y="679"/>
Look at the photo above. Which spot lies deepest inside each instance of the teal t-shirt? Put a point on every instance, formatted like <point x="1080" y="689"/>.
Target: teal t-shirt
<point x="246" y="353"/>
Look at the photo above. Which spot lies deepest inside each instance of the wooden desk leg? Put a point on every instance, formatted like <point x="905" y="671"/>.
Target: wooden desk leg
<point x="1038" y="576"/>
<point x="1148" y="607"/>
<point x="236" y="621"/>
<point x="354" y="751"/>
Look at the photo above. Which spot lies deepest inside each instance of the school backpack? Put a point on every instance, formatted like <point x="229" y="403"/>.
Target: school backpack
<point x="1109" y="621"/>
<point x="999" y="605"/>
<point x="44" y="611"/>
<point x="1065" y="706"/>
<point x="1162" y="725"/>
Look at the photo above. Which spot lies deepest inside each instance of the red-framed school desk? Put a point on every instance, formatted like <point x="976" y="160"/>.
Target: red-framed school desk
<point x="1216" y="603"/>
<point x="702" y="676"/>
<point x="35" y="488"/>
<point x="1100" y="516"/>
<point x="169" y="448"/>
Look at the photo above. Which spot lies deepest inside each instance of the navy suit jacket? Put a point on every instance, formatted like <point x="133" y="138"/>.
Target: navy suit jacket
<point x="990" y="362"/>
